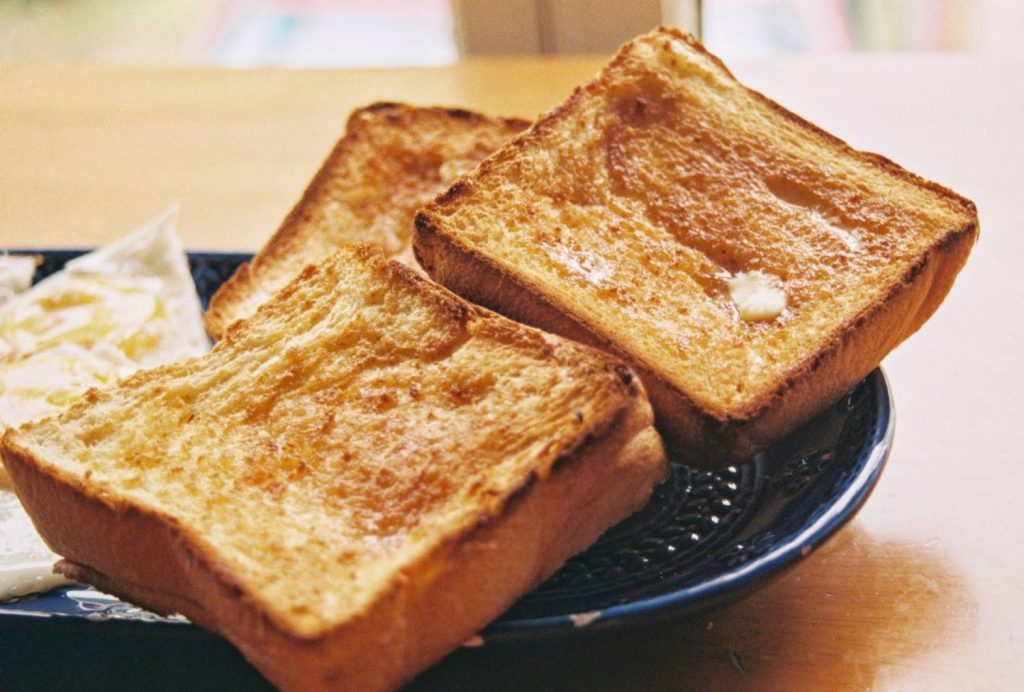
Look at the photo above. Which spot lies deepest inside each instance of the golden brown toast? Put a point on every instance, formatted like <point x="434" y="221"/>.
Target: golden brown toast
<point x="392" y="160"/>
<point x="355" y="480"/>
<point x="750" y="266"/>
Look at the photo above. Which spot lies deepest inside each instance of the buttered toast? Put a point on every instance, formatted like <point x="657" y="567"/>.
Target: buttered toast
<point x="748" y="265"/>
<point x="355" y="480"/>
<point x="392" y="159"/>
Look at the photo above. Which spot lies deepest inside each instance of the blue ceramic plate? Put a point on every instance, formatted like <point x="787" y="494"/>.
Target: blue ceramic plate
<point x="704" y="538"/>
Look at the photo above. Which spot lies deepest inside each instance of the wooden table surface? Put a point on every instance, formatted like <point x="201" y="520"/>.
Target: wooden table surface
<point x="922" y="591"/>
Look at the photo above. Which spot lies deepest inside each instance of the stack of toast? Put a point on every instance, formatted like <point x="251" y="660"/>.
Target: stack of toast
<point x="368" y="468"/>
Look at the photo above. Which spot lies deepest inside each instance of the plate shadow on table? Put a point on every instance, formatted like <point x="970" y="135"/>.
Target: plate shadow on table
<point x="876" y="596"/>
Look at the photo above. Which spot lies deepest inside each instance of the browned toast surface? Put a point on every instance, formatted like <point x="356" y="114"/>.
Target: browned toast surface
<point x="632" y="216"/>
<point x="392" y="159"/>
<point x="354" y="481"/>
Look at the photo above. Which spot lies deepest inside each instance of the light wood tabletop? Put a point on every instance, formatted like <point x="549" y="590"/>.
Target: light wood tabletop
<point x="923" y="590"/>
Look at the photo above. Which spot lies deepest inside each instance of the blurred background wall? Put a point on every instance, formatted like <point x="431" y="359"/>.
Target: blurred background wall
<point x="360" y="33"/>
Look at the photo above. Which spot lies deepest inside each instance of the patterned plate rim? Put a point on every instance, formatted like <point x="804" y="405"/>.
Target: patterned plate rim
<point x="731" y="583"/>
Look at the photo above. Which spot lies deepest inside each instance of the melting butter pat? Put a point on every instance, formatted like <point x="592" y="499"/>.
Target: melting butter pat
<point x="757" y="296"/>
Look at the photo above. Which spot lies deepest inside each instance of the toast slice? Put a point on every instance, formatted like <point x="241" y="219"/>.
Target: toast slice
<point x="352" y="483"/>
<point x="748" y="265"/>
<point x="391" y="161"/>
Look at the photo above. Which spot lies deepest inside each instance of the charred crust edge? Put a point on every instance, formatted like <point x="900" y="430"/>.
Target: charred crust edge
<point x="458" y="189"/>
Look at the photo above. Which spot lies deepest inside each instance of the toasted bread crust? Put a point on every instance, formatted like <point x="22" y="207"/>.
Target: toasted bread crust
<point x="705" y="430"/>
<point x="392" y="159"/>
<point x="705" y="438"/>
<point x="572" y="487"/>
